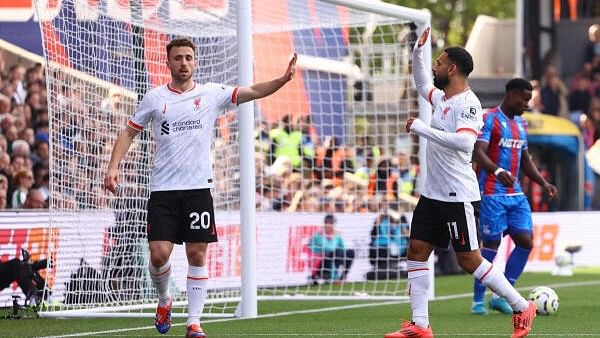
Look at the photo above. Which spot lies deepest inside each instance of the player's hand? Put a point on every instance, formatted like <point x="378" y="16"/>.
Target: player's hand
<point x="111" y="180"/>
<point x="506" y="178"/>
<point x="291" y="69"/>
<point x="424" y="37"/>
<point x="409" y="123"/>
<point x="551" y="190"/>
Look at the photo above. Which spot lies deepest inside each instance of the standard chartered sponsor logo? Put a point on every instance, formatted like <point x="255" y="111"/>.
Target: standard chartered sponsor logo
<point x="186" y="125"/>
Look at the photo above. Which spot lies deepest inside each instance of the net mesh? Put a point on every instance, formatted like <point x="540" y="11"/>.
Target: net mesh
<point x="330" y="141"/>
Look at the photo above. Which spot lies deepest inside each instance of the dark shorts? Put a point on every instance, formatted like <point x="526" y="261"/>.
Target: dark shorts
<point x="181" y="216"/>
<point x="438" y="223"/>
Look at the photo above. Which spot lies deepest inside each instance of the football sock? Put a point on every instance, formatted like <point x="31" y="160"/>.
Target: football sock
<point x="478" y="287"/>
<point x="160" y="279"/>
<point x="495" y="280"/>
<point x="197" y="279"/>
<point x="418" y="287"/>
<point x="516" y="263"/>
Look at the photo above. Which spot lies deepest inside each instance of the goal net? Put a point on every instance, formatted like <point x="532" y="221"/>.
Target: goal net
<point x="332" y="141"/>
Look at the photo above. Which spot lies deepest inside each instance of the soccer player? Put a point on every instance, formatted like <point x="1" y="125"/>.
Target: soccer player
<point x="500" y="150"/>
<point x="445" y="211"/>
<point x="180" y="209"/>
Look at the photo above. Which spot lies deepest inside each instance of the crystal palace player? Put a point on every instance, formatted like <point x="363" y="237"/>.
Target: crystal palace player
<point x="500" y="150"/>
<point x="180" y="208"/>
<point x="445" y="210"/>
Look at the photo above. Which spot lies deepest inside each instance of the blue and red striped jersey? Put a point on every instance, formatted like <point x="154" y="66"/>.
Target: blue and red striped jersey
<point x="506" y="140"/>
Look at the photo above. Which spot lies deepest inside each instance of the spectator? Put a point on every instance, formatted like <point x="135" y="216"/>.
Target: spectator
<point x="588" y="130"/>
<point x="34" y="200"/>
<point x="366" y="168"/>
<point x="4" y="105"/>
<point x="3" y="198"/>
<point x="287" y="141"/>
<point x="19" y="162"/>
<point x="40" y="172"/>
<point x="3" y="144"/>
<point x="593" y="48"/>
<point x="28" y="136"/>
<point x="385" y="181"/>
<point x="23" y="180"/>
<point x="554" y="93"/>
<point x="406" y="172"/>
<point x="16" y="76"/>
<point x="335" y="161"/>
<point x="41" y="151"/>
<point x="7" y="121"/>
<point x="536" y="97"/>
<point x="580" y="98"/>
<point x="389" y="241"/>
<point x="336" y="260"/>
<point x="5" y="167"/>
<point x="3" y="182"/>
<point x="585" y="72"/>
<point x="20" y="148"/>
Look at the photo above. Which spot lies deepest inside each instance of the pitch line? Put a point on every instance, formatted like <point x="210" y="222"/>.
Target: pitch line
<point x="339" y="308"/>
<point x="379" y="334"/>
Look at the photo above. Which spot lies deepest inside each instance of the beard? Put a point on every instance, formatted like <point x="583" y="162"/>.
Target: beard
<point x="181" y="77"/>
<point x="440" y="82"/>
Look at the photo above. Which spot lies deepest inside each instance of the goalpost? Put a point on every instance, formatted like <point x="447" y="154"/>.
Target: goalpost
<point x="352" y="93"/>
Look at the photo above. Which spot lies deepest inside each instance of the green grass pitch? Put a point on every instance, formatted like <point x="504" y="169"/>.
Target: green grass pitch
<point x="577" y="316"/>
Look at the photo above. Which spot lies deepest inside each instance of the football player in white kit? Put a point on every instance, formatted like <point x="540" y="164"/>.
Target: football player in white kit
<point x="445" y="211"/>
<point x="180" y="209"/>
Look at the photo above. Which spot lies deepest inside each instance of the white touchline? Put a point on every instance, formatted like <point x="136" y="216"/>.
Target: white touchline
<point x="335" y="308"/>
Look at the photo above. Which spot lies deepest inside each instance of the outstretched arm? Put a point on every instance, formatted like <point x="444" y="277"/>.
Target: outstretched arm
<point x="258" y="90"/>
<point x="461" y="141"/>
<point x="422" y="79"/>
<point x="530" y="170"/>
<point x="120" y="149"/>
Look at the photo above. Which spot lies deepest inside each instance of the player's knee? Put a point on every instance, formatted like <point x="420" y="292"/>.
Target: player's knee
<point x="157" y="259"/>
<point x="524" y="240"/>
<point x="491" y="244"/>
<point x="196" y="258"/>
<point x="468" y="261"/>
<point x="419" y="250"/>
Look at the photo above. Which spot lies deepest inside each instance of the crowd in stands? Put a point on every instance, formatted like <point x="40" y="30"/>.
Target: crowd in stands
<point x="577" y="100"/>
<point x="24" y="143"/>
<point x="296" y="169"/>
<point x="299" y="172"/>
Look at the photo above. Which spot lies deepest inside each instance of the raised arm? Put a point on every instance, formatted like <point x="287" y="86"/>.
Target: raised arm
<point x="120" y="149"/>
<point x="262" y="89"/>
<point x="422" y="78"/>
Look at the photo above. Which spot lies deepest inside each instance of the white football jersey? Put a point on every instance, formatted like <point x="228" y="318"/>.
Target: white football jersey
<point x="183" y="129"/>
<point x="450" y="176"/>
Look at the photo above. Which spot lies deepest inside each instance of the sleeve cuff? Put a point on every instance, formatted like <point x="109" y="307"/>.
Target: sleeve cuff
<point x="134" y="126"/>
<point x="234" y="95"/>
<point x="467" y="130"/>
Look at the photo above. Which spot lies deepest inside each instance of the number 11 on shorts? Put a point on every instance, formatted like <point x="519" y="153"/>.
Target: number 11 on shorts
<point x="453" y="228"/>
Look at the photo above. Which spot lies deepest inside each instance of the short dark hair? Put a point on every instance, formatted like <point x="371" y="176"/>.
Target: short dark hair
<point x="461" y="58"/>
<point x="329" y="218"/>
<point x="180" y="42"/>
<point x="517" y="84"/>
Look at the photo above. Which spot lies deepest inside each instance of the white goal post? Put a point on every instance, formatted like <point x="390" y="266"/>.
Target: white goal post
<point x="345" y="110"/>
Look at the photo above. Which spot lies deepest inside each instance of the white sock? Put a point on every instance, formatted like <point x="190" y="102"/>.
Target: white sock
<point x="160" y="279"/>
<point x="197" y="279"/>
<point x="495" y="281"/>
<point x="418" y="287"/>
